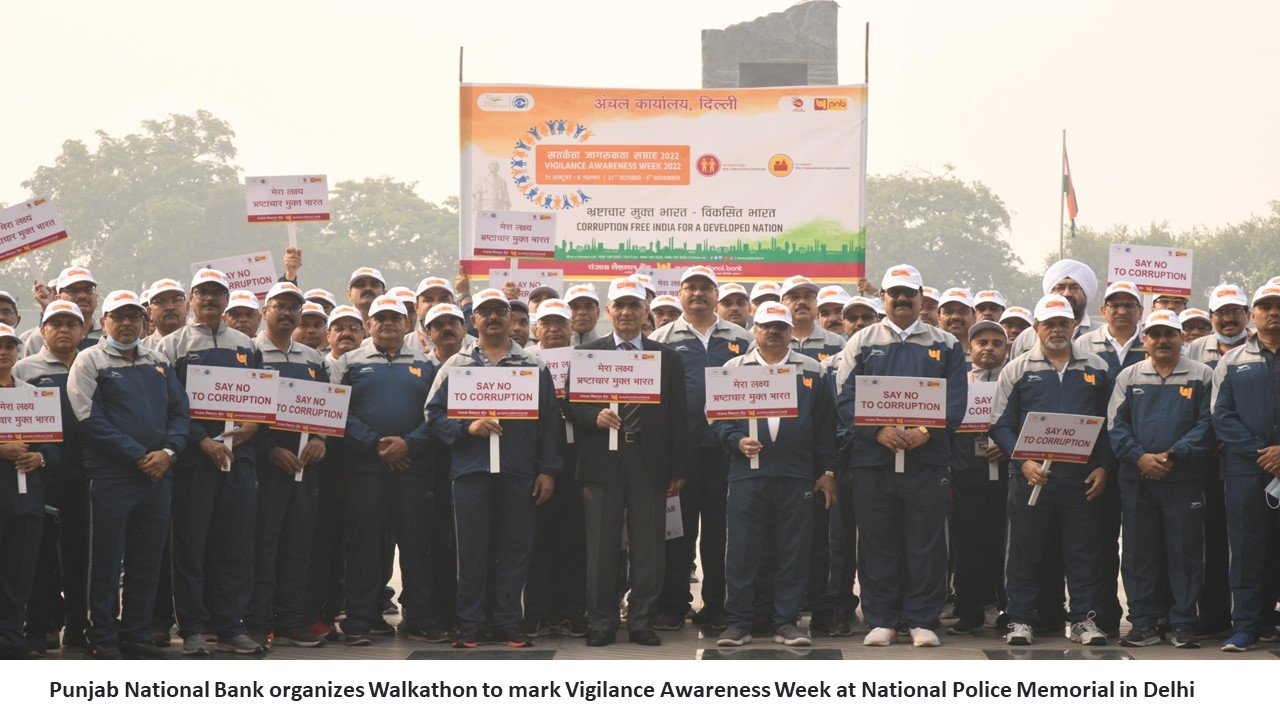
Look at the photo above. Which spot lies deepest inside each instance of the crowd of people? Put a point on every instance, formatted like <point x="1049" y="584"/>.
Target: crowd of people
<point x="144" y="520"/>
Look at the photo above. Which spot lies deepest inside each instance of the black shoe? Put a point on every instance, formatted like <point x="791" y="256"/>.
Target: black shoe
<point x="511" y="637"/>
<point x="1141" y="637"/>
<point x="297" y="636"/>
<point x="160" y="637"/>
<point x="600" y="638"/>
<point x="389" y="607"/>
<point x="965" y="627"/>
<point x="426" y="634"/>
<point x="381" y="627"/>
<point x="842" y="622"/>
<point x="903" y="629"/>
<point x="35" y="648"/>
<point x="712" y="620"/>
<point x="132" y="650"/>
<point x="358" y="640"/>
<point x="669" y="620"/>
<point x="821" y="622"/>
<point x="644" y="637"/>
<point x="1184" y="637"/>
<point x="104" y="652"/>
<point x="469" y="639"/>
<point x="571" y="627"/>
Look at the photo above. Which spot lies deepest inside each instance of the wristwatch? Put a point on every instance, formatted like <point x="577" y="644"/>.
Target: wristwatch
<point x="42" y="460"/>
<point x="170" y="453"/>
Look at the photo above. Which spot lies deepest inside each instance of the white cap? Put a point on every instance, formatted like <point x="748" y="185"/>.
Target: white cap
<point x="366" y="272"/>
<point x="630" y="287"/>
<point x="699" y="271"/>
<point x="344" y="311"/>
<point x="732" y="288"/>
<point x="146" y="297"/>
<point x="1194" y="314"/>
<point x="931" y="293"/>
<point x="1266" y="291"/>
<point x="383" y="303"/>
<point x="285" y="288"/>
<point x="553" y="306"/>
<point x="1122" y="286"/>
<point x="441" y="309"/>
<point x="322" y="294"/>
<point x="859" y="300"/>
<point x="490" y="295"/>
<point x="770" y="311"/>
<point x="118" y="299"/>
<point x="555" y="293"/>
<point x="314" y="308"/>
<point x="71" y="276"/>
<point x="1227" y="294"/>
<point x="403" y="293"/>
<point x="1016" y="312"/>
<point x="832" y="295"/>
<point x="1274" y="280"/>
<point x="981" y="325"/>
<point x="956" y="294"/>
<point x="1162" y="318"/>
<point x="989" y="296"/>
<point x="165" y="285"/>
<point x="796" y="282"/>
<point x="210" y="275"/>
<point x="429" y="283"/>
<point x="667" y="301"/>
<point x="765" y="287"/>
<point x="61" y="307"/>
<point x="243" y="299"/>
<point x="7" y="332"/>
<point x="646" y="282"/>
<point x="905" y="276"/>
<point x="6" y="295"/>
<point x="1053" y="306"/>
<point x="578" y="292"/>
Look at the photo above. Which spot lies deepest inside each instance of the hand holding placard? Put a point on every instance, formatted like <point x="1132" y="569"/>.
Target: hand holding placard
<point x="886" y="400"/>
<point x="1051" y="437"/>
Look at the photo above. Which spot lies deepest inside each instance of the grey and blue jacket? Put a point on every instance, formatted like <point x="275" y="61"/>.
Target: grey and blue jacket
<point x="1153" y="414"/>
<point x="1096" y="342"/>
<point x="299" y="362"/>
<point x="806" y="445"/>
<point x="44" y="370"/>
<point x="388" y="393"/>
<point x="727" y="342"/>
<point x="1246" y="416"/>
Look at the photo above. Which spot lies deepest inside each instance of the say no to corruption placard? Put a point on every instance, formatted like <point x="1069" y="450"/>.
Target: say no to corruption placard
<point x="493" y="392"/>
<point x="255" y="272"/>
<point x="888" y="400"/>
<point x="287" y="198"/>
<point x="221" y="393"/>
<point x="1058" y="437"/>
<point x="312" y="407"/>
<point x="751" y="391"/>
<point x="1158" y="270"/>
<point x="977" y="411"/>
<point x="619" y="376"/>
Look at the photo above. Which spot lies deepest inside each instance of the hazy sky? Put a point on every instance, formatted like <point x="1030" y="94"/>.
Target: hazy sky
<point x="1170" y="106"/>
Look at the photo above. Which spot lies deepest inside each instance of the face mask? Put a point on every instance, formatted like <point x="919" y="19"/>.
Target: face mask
<point x="1230" y="340"/>
<point x="122" y="346"/>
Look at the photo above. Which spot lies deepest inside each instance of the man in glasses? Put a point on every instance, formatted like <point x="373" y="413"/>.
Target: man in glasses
<point x="168" y="308"/>
<point x="1072" y="280"/>
<point x="77" y="285"/>
<point x="213" y="510"/>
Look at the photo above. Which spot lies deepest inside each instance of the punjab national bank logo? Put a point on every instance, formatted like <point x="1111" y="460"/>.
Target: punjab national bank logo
<point x="780" y="165"/>
<point x="707" y="165"/>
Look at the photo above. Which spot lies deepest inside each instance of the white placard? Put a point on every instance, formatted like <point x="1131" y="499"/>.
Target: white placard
<point x="557" y="361"/>
<point x="287" y="198"/>
<point x="890" y="400"/>
<point x="616" y="376"/>
<point x="977" y="410"/>
<point x="528" y="280"/>
<point x="222" y="393"/>
<point x="666" y="281"/>
<point x="1155" y="270"/>
<point x="254" y="272"/>
<point x="29" y="225"/>
<point x="751" y="391"/>
<point x="675" y="522"/>
<point x="1057" y="437"/>
<point x="493" y="392"/>
<point x="507" y="233"/>
<point x="308" y="406"/>
<point x="29" y="414"/>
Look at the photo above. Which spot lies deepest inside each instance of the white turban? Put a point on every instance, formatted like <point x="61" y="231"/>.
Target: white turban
<point x="1075" y="270"/>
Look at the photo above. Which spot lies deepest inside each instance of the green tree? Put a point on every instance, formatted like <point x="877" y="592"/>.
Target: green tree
<point x="954" y="232"/>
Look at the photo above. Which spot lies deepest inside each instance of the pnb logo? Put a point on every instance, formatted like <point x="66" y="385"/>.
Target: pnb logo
<point x="1185" y="392"/>
<point x="1091" y="379"/>
<point x="808" y="382"/>
<point x="835" y="104"/>
<point x="936" y="355"/>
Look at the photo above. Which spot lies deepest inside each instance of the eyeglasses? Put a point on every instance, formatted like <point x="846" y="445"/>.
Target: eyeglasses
<point x="132" y="317"/>
<point x="285" y="309"/>
<point x="1229" y="311"/>
<point x="902" y="292"/>
<point x="1129" y="306"/>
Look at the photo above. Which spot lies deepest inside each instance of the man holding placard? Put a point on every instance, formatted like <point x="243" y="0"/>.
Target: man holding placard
<point x="775" y="472"/>
<point x="901" y="475"/>
<point x="1246" y="417"/>
<point x="62" y="570"/>
<point x="389" y="458"/>
<point x="495" y="408"/>
<point x="22" y="494"/>
<point x="703" y="340"/>
<point x="631" y="451"/>
<point x="1052" y="377"/>
<point x="981" y="490"/>
<point x="1160" y="428"/>
<point x="215" y="484"/>
<point x="134" y="421"/>
<point x="287" y="487"/>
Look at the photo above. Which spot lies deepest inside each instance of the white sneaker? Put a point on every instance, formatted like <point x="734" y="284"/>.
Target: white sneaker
<point x="924" y="637"/>
<point x="1019" y="634"/>
<point x="880" y="637"/>
<point x="1087" y="633"/>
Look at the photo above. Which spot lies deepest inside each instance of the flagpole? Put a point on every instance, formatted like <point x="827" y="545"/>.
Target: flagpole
<point x="1062" y="196"/>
